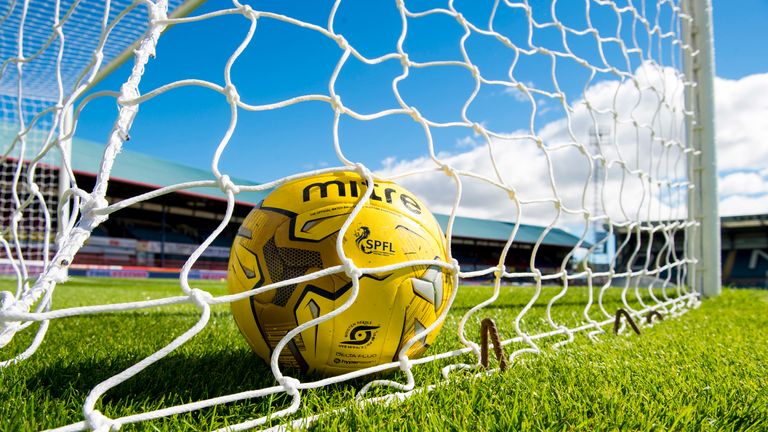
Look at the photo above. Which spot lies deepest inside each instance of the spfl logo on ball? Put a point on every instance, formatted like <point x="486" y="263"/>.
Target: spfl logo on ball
<point x="369" y="245"/>
<point x="360" y="334"/>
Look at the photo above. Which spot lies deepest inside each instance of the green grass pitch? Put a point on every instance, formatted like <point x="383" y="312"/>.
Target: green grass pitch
<point x="706" y="370"/>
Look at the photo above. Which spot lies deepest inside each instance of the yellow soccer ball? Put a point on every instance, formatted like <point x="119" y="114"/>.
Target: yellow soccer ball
<point x="293" y="232"/>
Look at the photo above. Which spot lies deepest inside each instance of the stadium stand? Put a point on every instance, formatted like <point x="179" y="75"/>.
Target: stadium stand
<point x="154" y="238"/>
<point x="478" y="244"/>
<point x="744" y="250"/>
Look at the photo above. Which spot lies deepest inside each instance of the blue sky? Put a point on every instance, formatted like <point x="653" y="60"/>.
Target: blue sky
<point x="284" y="61"/>
<point x="740" y="36"/>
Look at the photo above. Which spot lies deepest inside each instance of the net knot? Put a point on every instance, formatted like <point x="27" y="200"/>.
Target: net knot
<point x="34" y="189"/>
<point x="455" y="267"/>
<point x="405" y="363"/>
<point x="226" y="185"/>
<point x="200" y="297"/>
<point x="404" y="60"/>
<point x="461" y="20"/>
<point x="499" y="272"/>
<point x="101" y="423"/>
<point x="364" y="172"/>
<point x="291" y="385"/>
<point x="536" y="274"/>
<point x="92" y="204"/>
<point x="233" y="97"/>
<point x="448" y="170"/>
<point x="415" y="114"/>
<point x="351" y="269"/>
<point x="475" y="72"/>
<point x="247" y="10"/>
<point x="336" y="103"/>
<point x="127" y="100"/>
<point x="343" y="44"/>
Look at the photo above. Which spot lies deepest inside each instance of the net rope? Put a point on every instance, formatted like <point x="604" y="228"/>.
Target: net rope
<point x="653" y="214"/>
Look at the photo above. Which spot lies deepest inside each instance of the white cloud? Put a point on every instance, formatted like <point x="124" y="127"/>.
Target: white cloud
<point x="526" y="167"/>
<point x="741" y="118"/>
<point x="467" y="141"/>
<point x="742" y="144"/>
<point x="631" y="154"/>
<point x="742" y="183"/>
<point x="543" y="106"/>
<point x="743" y="205"/>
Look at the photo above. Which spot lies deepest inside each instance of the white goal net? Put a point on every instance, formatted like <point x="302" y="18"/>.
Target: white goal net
<point x="567" y="115"/>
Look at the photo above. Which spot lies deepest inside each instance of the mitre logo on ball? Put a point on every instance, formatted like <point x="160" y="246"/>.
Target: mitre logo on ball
<point x="352" y="188"/>
<point x="293" y="232"/>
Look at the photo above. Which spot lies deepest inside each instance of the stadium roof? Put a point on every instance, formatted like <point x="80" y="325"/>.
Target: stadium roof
<point x="744" y="221"/>
<point x="137" y="168"/>
<point x="495" y="230"/>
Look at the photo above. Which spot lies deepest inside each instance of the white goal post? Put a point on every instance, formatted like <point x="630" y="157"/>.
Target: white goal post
<point x="703" y="200"/>
<point x="570" y="116"/>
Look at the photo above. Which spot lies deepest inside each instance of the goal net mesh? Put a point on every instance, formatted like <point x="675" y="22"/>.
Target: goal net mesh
<point x="566" y="115"/>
